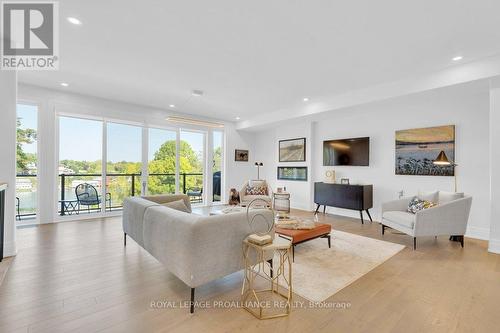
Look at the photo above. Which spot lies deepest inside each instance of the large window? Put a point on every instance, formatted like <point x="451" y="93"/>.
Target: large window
<point x="191" y="164"/>
<point x="27" y="162"/>
<point x="80" y="166"/>
<point x="161" y="161"/>
<point x="175" y="163"/>
<point x="123" y="168"/>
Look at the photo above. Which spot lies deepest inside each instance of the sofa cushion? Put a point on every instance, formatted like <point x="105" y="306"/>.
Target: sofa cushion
<point x="177" y="205"/>
<point x="445" y="197"/>
<point x="404" y="219"/>
<point x="432" y="196"/>
<point x="249" y="198"/>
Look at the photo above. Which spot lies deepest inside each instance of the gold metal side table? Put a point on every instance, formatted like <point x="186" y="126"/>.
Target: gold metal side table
<point x="260" y="302"/>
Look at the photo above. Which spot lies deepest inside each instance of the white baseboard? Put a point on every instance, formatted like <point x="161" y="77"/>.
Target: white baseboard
<point x="478" y="233"/>
<point x="494" y="246"/>
<point x="9" y="249"/>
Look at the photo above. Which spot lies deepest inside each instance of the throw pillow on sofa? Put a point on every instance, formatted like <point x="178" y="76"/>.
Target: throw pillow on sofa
<point x="177" y="205"/>
<point x="416" y="204"/>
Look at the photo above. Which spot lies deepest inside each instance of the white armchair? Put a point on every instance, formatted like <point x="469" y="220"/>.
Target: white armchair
<point x="246" y="199"/>
<point x="449" y="217"/>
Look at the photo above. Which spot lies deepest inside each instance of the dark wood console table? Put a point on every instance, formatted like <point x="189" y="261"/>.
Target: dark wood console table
<point x="355" y="197"/>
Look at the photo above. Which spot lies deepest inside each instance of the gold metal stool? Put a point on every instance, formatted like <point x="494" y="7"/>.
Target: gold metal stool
<point x="257" y="268"/>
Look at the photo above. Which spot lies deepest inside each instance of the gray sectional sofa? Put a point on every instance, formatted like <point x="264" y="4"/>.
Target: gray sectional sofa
<point x="195" y="248"/>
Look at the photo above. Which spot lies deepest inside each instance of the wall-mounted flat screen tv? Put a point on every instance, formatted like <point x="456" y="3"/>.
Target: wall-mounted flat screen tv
<point x="355" y="151"/>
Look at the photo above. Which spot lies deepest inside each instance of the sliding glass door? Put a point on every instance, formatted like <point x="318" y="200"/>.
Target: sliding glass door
<point x="80" y="166"/>
<point x="124" y="163"/>
<point x="192" y="165"/>
<point x="27" y="163"/>
<point x="174" y="161"/>
<point x="162" y="161"/>
<point x="217" y="165"/>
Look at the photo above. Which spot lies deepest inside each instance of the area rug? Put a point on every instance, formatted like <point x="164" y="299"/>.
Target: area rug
<point x="319" y="272"/>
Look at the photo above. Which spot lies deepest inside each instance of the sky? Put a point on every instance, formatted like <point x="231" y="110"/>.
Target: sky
<point x="80" y="139"/>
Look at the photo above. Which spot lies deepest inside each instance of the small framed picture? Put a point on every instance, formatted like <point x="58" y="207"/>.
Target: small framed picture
<point x="241" y="155"/>
<point x="344" y="181"/>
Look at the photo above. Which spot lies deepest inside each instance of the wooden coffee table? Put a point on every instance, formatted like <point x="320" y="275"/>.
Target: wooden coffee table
<point x="321" y="230"/>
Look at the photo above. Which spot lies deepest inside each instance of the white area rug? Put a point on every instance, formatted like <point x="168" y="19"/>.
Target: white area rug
<point x="319" y="272"/>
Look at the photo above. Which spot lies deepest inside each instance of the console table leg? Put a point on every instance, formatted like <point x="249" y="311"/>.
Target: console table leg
<point x="317" y="209"/>
<point x="367" y="212"/>
<point x="324" y="209"/>
<point x="361" y="215"/>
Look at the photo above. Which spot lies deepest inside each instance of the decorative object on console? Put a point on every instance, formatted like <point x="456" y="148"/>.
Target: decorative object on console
<point x="344" y="181"/>
<point x="330" y="176"/>
<point x="416" y="151"/>
<point x="241" y="155"/>
<point x="234" y="197"/>
<point x="443" y="161"/>
<point x="292" y="150"/>
<point x="258" y="165"/>
<point x="292" y="173"/>
<point x="355" y="197"/>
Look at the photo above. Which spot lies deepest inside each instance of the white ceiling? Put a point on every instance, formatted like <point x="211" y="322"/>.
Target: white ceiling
<point x="255" y="57"/>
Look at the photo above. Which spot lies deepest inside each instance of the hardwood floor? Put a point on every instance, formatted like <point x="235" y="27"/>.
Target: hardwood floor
<point x="78" y="277"/>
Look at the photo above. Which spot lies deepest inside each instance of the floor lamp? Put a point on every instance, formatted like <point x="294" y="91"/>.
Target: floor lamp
<point x="258" y="165"/>
<point x="442" y="160"/>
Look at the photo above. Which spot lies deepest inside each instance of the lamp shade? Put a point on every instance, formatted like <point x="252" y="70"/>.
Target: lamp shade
<point x="442" y="159"/>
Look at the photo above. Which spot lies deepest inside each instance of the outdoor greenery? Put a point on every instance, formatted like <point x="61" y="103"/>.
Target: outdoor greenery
<point x="24" y="159"/>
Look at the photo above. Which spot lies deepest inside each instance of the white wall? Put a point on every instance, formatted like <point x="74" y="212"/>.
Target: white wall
<point x="494" y="245"/>
<point x="267" y="153"/>
<point x="8" y="91"/>
<point x="239" y="172"/>
<point x="466" y="106"/>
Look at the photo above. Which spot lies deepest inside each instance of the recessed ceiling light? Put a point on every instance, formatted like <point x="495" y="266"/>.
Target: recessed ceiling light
<point x="457" y="58"/>
<point x="172" y="106"/>
<point x="237" y="118"/>
<point x="306" y="99"/>
<point x="64" y="84"/>
<point x="197" y="93"/>
<point x="74" y="20"/>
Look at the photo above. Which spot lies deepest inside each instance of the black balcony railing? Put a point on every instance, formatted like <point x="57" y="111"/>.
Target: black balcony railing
<point x="118" y="187"/>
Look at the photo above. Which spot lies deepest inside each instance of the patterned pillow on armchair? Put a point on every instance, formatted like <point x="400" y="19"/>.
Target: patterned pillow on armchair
<point x="256" y="190"/>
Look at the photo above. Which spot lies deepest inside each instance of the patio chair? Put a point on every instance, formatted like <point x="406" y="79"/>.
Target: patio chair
<point x="87" y="195"/>
<point x="195" y="195"/>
